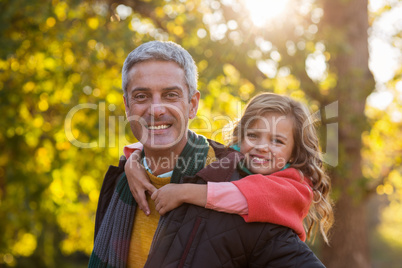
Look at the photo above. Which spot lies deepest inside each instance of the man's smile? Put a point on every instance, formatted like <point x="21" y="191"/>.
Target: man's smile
<point x="158" y="127"/>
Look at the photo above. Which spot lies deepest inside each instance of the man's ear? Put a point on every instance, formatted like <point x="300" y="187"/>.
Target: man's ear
<point x="194" y="104"/>
<point x="125" y="105"/>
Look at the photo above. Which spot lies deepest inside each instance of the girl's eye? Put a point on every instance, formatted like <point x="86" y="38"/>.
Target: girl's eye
<point x="251" y="135"/>
<point x="277" y="141"/>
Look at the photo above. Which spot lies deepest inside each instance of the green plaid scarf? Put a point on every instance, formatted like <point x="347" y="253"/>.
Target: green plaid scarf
<point x="113" y="239"/>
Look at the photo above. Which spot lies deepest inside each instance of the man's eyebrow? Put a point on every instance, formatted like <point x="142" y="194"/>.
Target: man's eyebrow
<point x="173" y="88"/>
<point x="140" y="89"/>
<point x="145" y="89"/>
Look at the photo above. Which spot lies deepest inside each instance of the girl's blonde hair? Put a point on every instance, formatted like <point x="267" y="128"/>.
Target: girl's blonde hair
<point x="306" y="156"/>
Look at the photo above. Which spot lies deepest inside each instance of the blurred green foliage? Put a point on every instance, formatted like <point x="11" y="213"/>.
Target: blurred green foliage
<point x="54" y="55"/>
<point x="60" y="76"/>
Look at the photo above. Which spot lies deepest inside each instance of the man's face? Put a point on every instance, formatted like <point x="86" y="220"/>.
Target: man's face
<point x="158" y="105"/>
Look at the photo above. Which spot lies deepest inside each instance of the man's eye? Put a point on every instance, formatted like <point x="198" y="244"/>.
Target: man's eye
<point x="140" y="96"/>
<point x="172" y="95"/>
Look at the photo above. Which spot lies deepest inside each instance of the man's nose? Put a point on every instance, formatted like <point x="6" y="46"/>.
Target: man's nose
<point x="157" y="108"/>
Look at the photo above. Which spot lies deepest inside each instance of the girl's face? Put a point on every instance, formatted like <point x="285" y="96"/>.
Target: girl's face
<point x="268" y="143"/>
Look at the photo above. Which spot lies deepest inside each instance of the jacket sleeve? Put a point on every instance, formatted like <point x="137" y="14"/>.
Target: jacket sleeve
<point x="282" y="198"/>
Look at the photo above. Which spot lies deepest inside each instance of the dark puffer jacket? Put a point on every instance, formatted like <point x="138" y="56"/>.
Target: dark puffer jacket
<point x="191" y="236"/>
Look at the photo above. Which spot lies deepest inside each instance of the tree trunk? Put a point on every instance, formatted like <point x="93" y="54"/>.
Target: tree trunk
<point x="344" y="27"/>
<point x="348" y="241"/>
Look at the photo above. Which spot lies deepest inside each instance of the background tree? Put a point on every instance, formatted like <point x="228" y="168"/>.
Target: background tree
<point x="345" y="29"/>
<point x="62" y="111"/>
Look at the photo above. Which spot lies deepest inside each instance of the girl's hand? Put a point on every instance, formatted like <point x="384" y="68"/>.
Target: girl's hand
<point x="173" y="195"/>
<point x="168" y="197"/>
<point x="138" y="181"/>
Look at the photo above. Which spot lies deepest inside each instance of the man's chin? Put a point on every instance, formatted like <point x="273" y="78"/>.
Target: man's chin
<point x="162" y="144"/>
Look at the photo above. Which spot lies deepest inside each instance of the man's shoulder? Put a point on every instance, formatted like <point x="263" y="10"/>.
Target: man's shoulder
<point x="119" y="168"/>
<point x="220" y="149"/>
<point x="113" y="173"/>
<point x="225" y="163"/>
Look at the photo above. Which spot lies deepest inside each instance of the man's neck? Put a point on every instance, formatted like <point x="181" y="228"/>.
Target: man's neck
<point x="161" y="164"/>
<point x="162" y="161"/>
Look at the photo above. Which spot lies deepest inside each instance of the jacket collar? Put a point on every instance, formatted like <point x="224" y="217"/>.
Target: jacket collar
<point x="224" y="167"/>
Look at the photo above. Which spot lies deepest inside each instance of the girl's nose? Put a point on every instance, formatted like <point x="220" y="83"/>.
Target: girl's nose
<point x="263" y="147"/>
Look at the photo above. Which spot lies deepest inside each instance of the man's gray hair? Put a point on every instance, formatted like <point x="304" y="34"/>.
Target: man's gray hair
<point x="165" y="51"/>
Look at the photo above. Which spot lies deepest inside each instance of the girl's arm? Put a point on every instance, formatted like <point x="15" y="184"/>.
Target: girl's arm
<point x="275" y="198"/>
<point x="137" y="178"/>
<point x="222" y="196"/>
<point x="226" y="197"/>
<point x="219" y="196"/>
<point x="173" y="195"/>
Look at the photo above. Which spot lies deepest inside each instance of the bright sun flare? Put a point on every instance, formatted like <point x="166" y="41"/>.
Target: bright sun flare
<point x="261" y="11"/>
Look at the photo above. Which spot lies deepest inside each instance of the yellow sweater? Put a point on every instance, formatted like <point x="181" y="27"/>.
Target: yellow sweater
<point x="145" y="226"/>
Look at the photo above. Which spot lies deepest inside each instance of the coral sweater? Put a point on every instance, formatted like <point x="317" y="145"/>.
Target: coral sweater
<point x="282" y="198"/>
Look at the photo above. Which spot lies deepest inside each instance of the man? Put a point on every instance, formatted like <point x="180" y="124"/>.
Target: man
<point x="160" y="95"/>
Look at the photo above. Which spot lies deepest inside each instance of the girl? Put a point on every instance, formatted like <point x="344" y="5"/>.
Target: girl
<point x="286" y="182"/>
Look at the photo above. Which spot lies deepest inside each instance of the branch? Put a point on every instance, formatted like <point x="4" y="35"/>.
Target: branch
<point x="144" y="9"/>
<point x="310" y="87"/>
